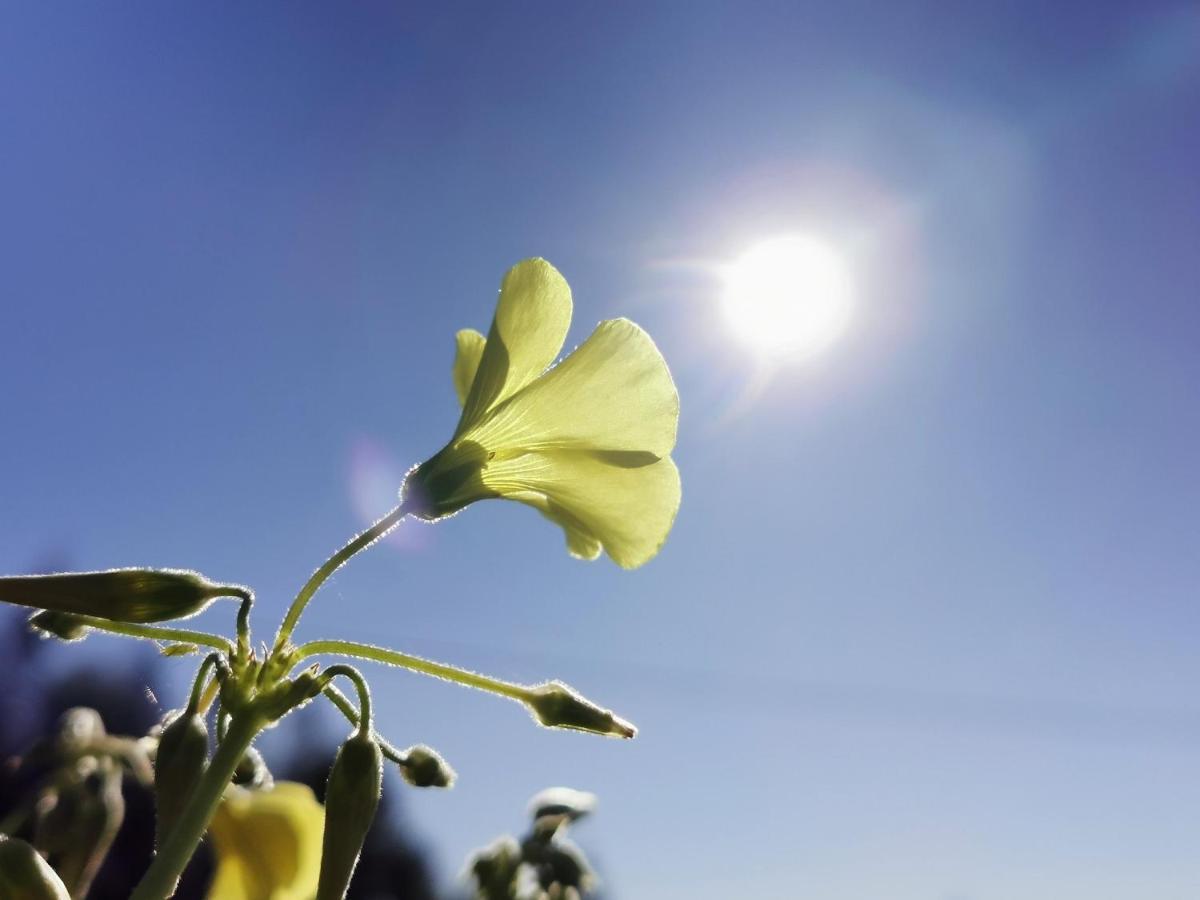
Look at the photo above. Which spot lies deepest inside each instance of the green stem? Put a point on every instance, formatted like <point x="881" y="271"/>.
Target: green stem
<point x="213" y="659"/>
<point x="331" y="565"/>
<point x="364" y="693"/>
<point x="346" y="708"/>
<point x="243" y="626"/>
<point x="161" y="878"/>
<point x="518" y="692"/>
<point x="178" y="635"/>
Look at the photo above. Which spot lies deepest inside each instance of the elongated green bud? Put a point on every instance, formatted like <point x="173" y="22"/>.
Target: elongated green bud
<point x="24" y="875"/>
<point x="351" y="799"/>
<point x="122" y="595"/>
<point x="558" y="705"/>
<point x="180" y="760"/>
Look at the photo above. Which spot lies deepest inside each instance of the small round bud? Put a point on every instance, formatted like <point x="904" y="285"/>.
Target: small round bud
<point x="558" y="862"/>
<point x="63" y="626"/>
<point x="558" y="705"/>
<point x="122" y="595"/>
<point x="79" y="728"/>
<point x="179" y="761"/>
<point x="252" y="771"/>
<point x="351" y="798"/>
<point x="423" y="766"/>
<point x="494" y="868"/>
<point x="24" y="875"/>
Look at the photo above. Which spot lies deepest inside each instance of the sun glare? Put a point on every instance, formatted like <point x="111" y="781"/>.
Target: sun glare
<point x="789" y="297"/>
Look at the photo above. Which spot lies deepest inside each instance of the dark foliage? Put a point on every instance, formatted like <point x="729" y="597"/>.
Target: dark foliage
<point x="36" y="694"/>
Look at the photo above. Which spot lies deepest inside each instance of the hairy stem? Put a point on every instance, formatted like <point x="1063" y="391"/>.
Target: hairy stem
<point x="199" y="692"/>
<point x="364" y="693"/>
<point x="331" y="565"/>
<point x="346" y="708"/>
<point x="178" y="635"/>
<point x="161" y="878"/>
<point x="517" y="692"/>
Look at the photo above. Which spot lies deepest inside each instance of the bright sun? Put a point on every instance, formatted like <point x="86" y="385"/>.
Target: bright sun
<point x="789" y="297"/>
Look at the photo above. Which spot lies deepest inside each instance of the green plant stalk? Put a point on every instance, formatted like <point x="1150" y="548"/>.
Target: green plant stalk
<point x="346" y="708"/>
<point x="364" y="694"/>
<point x="178" y="635"/>
<point x="162" y="877"/>
<point x="331" y="565"/>
<point x="518" y="692"/>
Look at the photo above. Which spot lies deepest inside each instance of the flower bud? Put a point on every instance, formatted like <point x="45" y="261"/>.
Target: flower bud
<point x="494" y="868"/>
<point x="122" y="595"/>
<point x="60" y="625"/>
<point x="79" y="728"/>
<point x="180" y="760"/>
<point x="294" y="694"/>
<point x="252" y="771"/>
<point x="554" y="808"/>
<point x="423" y="766"/>
<point x="24" y="875"/>
<point x="557" y="705"/>
<point x="76" y="828"/>
<point x="351" y="798"/>
<point x="558" y="862"/>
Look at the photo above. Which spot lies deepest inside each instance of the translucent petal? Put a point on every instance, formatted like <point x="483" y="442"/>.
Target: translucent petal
<point x="469" y="348"/>
<point x="623" y="503"/>
<point x="268" y="844"/>
<point x="530" y="325"/>
<point x="614" y="392"/>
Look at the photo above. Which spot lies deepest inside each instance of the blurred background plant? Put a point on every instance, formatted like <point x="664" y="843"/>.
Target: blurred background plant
<point x="544" y="864"/>
<point x="49" y="701"/>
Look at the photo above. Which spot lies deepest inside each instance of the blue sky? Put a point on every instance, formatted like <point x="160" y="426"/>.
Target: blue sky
<point x="926" y="625"/>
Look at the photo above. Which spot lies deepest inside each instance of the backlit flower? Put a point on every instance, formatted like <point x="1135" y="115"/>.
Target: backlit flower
<point x="267" y="843"/>
<point x="587" y="443"/>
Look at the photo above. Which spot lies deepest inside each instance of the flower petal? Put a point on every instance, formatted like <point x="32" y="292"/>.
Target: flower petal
<point x="530" y="325"/>
<point x="268" y="844"/>
<point x="623" y="503"/>
<point x="614" y="392"/>
<point x="468" y="350"/>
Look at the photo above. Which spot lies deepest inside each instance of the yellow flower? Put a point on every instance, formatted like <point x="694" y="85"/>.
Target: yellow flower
<point x="586" y="443"/>
<point x="267" y="843"/>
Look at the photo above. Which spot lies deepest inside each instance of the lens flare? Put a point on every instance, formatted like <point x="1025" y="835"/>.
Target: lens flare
<point x="790" y="298"/>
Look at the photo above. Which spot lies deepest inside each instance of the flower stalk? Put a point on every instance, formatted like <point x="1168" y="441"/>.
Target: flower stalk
<point x="172" y="858"/>
<point x="331" y="565"/>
